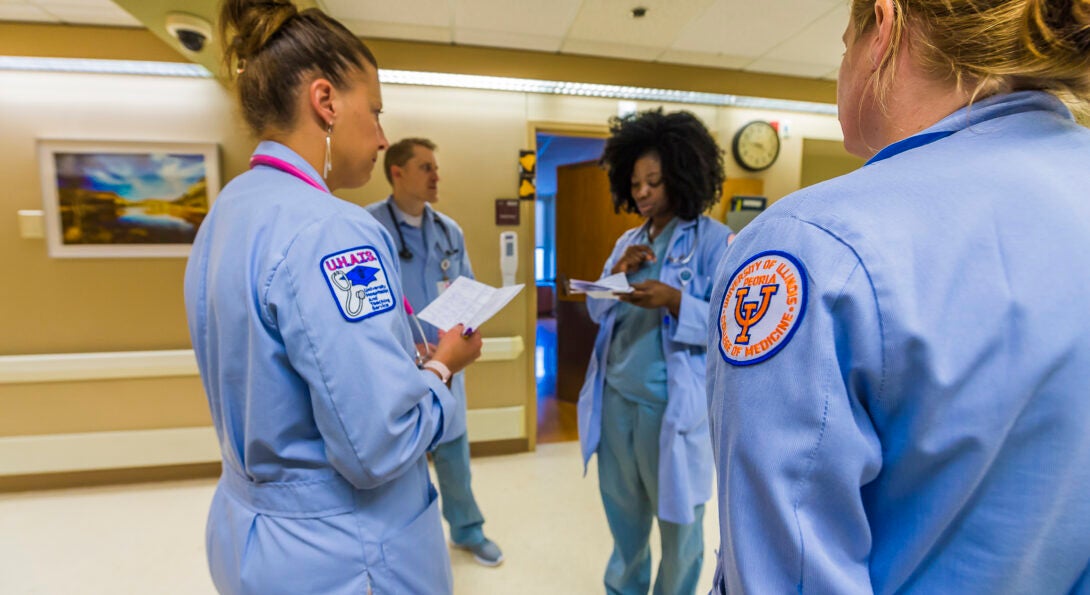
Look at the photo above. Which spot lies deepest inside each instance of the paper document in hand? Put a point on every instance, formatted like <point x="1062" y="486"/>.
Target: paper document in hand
<point x="604" y="288"/>
<point x="467" y="302"/>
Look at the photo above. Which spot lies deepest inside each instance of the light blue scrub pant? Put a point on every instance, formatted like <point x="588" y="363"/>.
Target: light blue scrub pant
<point x="451" y="461"/>
<point x="628" y="465"/>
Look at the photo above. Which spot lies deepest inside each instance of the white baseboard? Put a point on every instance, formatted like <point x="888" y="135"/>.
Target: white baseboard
<point x="93" y="451"/>
<point x="75" y="367"/>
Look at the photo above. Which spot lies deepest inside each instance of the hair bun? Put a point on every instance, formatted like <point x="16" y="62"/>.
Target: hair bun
<point x="1058" y="27"/>
<point x="251" y="24"/>
<point x="1080" y="17"/>
<point x="1080" y="12"/>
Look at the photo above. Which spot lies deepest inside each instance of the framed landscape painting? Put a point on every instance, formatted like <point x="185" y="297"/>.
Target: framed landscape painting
<point x="108" y="199"/>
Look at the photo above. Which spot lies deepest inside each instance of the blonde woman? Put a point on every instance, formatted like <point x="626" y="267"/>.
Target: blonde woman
<point x="900" y="357"/>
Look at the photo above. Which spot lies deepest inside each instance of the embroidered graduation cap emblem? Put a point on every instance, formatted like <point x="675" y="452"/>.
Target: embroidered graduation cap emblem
<point x="762" y="308"/>
<point x="357" y="279"/>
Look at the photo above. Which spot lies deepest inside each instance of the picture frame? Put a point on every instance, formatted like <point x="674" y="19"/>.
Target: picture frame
<point x="125" y="199"/>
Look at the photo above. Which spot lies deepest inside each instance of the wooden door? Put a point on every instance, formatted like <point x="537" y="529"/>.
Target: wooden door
<point x="586" y="230"/>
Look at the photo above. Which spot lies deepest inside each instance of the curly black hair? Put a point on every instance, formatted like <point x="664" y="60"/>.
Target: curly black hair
<point x="692" y="163"/>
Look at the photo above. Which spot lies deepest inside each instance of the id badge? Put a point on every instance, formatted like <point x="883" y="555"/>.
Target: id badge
<point x="443" y="285"/>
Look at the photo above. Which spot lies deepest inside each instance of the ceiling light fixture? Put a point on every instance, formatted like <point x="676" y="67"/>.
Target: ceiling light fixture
<point x="437" y="79"/>
<point x="495" y="83"/>
<point x="88" y="66"/>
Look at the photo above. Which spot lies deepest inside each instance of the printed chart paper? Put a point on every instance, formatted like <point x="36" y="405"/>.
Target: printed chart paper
<point x="605" y="288"/>
<point x="467" y="302"/>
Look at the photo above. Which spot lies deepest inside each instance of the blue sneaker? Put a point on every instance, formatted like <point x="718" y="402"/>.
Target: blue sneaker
<point x="486" y="553"/>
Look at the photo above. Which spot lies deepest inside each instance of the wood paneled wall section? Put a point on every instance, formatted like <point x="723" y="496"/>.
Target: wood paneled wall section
<point x="586" y="226"/>
<point x="586" y="230"/>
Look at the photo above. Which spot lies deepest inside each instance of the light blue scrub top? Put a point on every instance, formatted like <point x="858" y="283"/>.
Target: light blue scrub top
<point x="421" y="275"/>
<point x="323" y="417"/>
<point x="926" y="429"/>
<point x="412" y="279"/>
<point x="438" y="239"/>
<point x="636" y="366"/>
<point x="685" y="462"/>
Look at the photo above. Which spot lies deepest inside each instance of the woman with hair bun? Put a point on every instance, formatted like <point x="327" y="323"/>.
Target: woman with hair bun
<point x="642" y="408"/>
<point x="904" y="407"/>
<point x="296" y="315"/>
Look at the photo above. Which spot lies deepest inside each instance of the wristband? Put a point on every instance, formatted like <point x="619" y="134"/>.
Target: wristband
<point x="439" y="368"/>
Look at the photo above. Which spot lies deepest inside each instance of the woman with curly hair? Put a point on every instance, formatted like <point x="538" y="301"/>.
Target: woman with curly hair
<point x="642" y="406"/>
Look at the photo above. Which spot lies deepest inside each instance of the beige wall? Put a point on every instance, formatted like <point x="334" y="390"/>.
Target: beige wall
<point x="74" y="306"/>
<point x="106" y="305"/>
<point x="94" y="305"/>
<point x="779" y="180"/>
<point x="479" y="134"/>
<point x="824" y="160"/>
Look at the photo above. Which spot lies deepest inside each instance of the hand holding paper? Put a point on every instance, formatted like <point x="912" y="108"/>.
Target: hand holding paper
<point x="605" y="288"/>
<point x="467" y="302"/>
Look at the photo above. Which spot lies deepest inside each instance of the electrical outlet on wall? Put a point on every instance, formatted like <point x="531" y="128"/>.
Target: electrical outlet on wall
<point x="31" y="224"/>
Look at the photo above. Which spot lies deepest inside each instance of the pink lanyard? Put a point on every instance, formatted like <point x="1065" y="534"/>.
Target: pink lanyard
<point x="285" y="167"/>
<point x="288" y="168"/>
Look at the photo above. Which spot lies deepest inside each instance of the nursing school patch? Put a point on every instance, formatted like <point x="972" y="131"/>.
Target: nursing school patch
<point x="763" y="306"/>
<point x="357" y="279"/>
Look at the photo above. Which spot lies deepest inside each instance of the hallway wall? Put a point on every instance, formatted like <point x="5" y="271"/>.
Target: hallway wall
<point x="57" y="306"/>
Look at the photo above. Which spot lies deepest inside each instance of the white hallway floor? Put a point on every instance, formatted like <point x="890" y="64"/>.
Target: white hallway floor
<point x="150" y="538"/>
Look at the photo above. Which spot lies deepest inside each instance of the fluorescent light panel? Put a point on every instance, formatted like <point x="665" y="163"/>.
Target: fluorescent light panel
<point x="495" y="83"/>
<point x="436" y="79"/>
<point x="78" y="65"/>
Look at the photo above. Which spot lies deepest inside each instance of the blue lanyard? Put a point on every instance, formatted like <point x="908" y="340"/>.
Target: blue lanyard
<point x="907" y="144"/>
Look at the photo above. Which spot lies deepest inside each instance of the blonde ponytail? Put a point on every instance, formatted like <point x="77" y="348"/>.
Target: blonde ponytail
<point x="989" y="46"/>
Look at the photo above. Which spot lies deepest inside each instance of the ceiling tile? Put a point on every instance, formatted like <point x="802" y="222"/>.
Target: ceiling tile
<point x="25" y="13"/>
<point x="552" y="18"/>
<point x="819" y="43"/>
<point x="792" y="37"/>
<point x="372" y="29"/>
<point x="427" y="13"/>
<point x="704" y="59"/>
<point x="748" y="28"/>
<point x="610" y="50"/>
<point x="802" y="69"/>
<point x="507" y="39"/>
<point x="109" y="14"/>
<point x="611" y="21"/>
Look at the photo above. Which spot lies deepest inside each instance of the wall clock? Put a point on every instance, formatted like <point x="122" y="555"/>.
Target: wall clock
<point x="756" y="145"/>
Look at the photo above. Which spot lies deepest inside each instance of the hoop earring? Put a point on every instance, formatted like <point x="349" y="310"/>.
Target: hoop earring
<point x="328" y="152"/>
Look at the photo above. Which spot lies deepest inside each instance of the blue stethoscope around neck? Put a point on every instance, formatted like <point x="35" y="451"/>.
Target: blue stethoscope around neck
<point x="403" y="249"/>
<point x="685" y="274"/>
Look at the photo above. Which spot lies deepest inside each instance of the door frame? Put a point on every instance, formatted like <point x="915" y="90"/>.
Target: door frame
<point x="533" y="128"/>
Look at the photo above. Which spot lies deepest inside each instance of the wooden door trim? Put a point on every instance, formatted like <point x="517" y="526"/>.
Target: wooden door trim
<point x="534" y="127"/>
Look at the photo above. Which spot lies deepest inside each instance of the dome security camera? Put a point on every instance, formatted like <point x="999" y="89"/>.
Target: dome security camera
<point x="191" y="31"/>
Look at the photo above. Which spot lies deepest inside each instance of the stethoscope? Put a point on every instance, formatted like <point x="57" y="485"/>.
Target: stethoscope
<point x="685" y="274"/>
<point x="403" y="249"/>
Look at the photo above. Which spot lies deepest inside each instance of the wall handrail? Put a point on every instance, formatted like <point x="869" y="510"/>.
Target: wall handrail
<point x="75" y="367"/>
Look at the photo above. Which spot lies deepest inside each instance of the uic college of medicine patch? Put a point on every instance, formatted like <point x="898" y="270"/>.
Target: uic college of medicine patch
<point x="357" y="280"/>
<point x="763" y="306"/>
